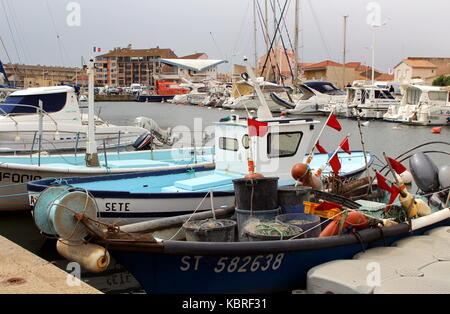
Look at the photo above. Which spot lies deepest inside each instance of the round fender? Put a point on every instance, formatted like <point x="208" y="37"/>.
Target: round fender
<point x="424" y="172"/>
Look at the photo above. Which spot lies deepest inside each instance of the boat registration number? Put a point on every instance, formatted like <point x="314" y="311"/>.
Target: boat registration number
<point x="236" y="264"/>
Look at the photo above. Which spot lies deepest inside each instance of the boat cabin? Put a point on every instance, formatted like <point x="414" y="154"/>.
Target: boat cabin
<point x="369" y="94"/>
<point x="426" y="95"/>
<point x="285" y="143"/>
<point x="59" y="102"/>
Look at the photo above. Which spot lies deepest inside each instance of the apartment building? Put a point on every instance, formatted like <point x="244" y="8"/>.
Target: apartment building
<point x="25" y="76"/>
<point x="126" y="66"/>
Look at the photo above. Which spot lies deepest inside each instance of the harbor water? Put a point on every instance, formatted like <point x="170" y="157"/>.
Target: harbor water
<point x="378" y="136"/>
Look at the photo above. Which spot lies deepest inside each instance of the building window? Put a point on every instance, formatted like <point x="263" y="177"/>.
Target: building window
<point x="285" y="144"/>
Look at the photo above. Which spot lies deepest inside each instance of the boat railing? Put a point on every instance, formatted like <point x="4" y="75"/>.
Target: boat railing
<point x="8" y="115"/>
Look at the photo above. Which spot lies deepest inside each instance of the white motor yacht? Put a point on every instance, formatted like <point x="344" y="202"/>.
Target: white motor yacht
<point x="422" y="105"/>
<point x="63" y="126"/>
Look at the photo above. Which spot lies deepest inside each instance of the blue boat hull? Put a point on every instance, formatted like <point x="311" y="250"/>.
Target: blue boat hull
<point x="246" y="267"/>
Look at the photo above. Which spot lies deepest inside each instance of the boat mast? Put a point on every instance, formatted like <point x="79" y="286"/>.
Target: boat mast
<point x="266" y="22"/>
<point x="254" y="35"/>
<point x="344" y="51"/>
<point x="296" y="41"/>
<point x="91" y="146"/>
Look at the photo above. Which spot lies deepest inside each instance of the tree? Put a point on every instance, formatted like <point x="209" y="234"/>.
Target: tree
<point x="443" y="80"/>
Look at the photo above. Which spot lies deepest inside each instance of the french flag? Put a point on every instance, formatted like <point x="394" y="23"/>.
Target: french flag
<point x="96" y="49"/>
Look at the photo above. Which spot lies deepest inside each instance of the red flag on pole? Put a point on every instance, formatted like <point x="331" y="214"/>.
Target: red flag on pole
<point x="320" y="148"/>
<point x="382" y="183"/>
<point x="398" y="167"/>
<point x="335" y="164"/>
<point x="345" y="146"/>
<point x="334" y="123"/>
<point x="393" y="190"/>
<point x="257" y="128"/>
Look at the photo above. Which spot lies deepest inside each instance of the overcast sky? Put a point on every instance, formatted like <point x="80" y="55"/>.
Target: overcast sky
<point x="221" y="28"/>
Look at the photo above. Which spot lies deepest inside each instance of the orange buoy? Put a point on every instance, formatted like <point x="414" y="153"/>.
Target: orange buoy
<point x="299" y="171"/>
<point x="436" y="130"/>
<point x="354" y="219"/>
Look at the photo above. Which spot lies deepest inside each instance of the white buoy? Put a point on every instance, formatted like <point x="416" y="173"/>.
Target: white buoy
<point x="91" y="257"/>
<point x="407" y="177"/>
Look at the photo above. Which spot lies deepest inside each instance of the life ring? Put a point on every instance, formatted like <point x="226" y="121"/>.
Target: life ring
<point x="353" y="220"/>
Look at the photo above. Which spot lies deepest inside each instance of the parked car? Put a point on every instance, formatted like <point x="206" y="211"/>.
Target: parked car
<point x="111" y="90"/>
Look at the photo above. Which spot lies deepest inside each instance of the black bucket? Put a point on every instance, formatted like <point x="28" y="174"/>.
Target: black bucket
<point x="256" y="193"/>
<point x="210" y="230"/>
<point x="291" y="198"/>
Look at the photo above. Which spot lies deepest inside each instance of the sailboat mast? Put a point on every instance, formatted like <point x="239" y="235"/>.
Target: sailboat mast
<point x="296" y="41"/>
<point x="91" y="146"/>
<point x="254" y="35"/>
<point x="266" y="22"/>
<point x="344" y="51"/>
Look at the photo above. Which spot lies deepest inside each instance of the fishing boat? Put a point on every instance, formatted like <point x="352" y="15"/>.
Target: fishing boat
<point x="366" y="101"/>
<point x="422" y="105"/>
<point x="314" y="98"/>
<point x="126" y="198"/>
<point x="62" y="125"/>
<point x="167" y="266"/>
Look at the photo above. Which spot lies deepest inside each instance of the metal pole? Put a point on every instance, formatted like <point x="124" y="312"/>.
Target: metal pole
<point x="104" y="153"/>
<point x="32" y="145"/>
<point x="254" y="35"/>
<point x="76" y="144"/>
<point x="41" y="124"/>
<point x="296" y="41"/>
<point x="91" y="146"/>
<point x="373" y="56"/>
<point x="266" y="21"/>
<point x="344" y="52"/>
<point x="118" y="144"/>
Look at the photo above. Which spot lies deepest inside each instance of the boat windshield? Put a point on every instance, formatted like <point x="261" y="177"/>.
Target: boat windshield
<point x="383" y="94"/>
<point x="16" y="104"/>
<point x="325" y="88"/>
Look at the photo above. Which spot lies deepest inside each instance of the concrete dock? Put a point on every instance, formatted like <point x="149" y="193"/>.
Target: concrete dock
<point x="22" y="272"/>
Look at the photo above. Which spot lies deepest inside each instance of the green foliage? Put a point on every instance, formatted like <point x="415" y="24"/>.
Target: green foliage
<point x="443" y="80"/>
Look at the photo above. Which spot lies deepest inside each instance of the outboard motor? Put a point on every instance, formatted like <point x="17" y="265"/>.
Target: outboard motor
<point x="424" y="172"/>
<point x="163" y="137"/>
<point x="144" y="142"/>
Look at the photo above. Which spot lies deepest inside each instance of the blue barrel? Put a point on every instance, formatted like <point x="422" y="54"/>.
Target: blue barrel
<point x="291" y="198"/>
<point x="55" y="212"/>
